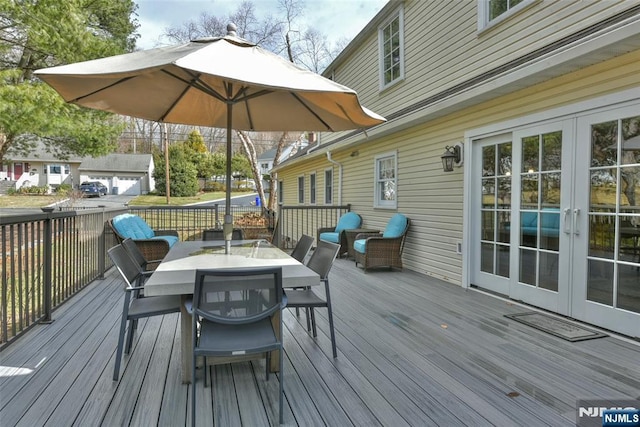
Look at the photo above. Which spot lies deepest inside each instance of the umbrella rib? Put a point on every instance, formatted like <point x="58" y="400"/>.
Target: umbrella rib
<point x="196" y="83"/>
<point x="301" y="101"/>
<point x="101" y="89"/>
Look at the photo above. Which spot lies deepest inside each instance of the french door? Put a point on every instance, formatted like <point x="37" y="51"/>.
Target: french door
<point x="556" y="217"/>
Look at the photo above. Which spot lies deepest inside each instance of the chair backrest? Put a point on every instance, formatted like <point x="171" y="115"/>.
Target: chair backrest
<point x="322" y="258"/>
<point x="235" y="296"/>
<point x="132" y="226"/>
<point x="218" y="234"/>
<point x="302" y="248"/>
<point x="125" y="264"/>
<point x="396" y="226"/>
<point x="348" y="221"/>
<point x="133" y="250"/>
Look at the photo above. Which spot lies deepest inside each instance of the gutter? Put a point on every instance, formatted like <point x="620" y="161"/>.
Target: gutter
<point x="339" y="176"/>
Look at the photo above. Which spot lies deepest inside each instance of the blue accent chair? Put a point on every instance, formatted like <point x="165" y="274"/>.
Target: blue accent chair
<point x="154" y="244"/>
<point x="382" y="249"/>
<point x="348" y="221"/>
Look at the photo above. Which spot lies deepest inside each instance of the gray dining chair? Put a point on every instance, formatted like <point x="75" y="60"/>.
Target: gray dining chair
<point x="321" y="262"/>
<point x="138" y="256"/>
<point x="232" y="315"/>
<point x="300" y="252"/>
<point x="136" y="307"/>
<point x="218" y="234"/>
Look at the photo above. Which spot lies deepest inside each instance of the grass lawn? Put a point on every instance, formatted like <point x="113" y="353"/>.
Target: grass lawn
<point x="145" y="200"/>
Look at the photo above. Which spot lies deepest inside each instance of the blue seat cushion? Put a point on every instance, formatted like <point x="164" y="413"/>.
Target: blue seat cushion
<point x="348" y="221"/>
<point x="360" y="245"/>
<point x="330" y="236"/>
<point x="132" y="226"/>
<point x="170" y="239"/>
<point x="396" y="226"/>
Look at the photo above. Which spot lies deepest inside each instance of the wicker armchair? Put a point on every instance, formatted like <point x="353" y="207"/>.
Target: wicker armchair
<point x="350" y="220"/>
<point x="382" y="249"/>
<point x="154" y="244"/>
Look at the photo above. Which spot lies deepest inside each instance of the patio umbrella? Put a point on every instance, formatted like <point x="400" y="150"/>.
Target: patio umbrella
<point x="225" y="82"/>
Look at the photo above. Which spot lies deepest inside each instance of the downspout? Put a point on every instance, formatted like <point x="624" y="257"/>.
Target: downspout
<point x="339" y="176"/>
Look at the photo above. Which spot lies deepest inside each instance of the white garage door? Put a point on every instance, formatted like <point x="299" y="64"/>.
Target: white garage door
<point x="129" y="185"/>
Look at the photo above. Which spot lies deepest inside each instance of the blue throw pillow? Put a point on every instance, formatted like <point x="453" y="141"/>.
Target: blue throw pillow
<point x="348" y="221"/>
<point x="396" y="226"/>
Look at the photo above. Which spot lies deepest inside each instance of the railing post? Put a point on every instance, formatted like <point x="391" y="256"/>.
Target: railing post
<point x="48" y="255"/>
<point x="102" y="250"/>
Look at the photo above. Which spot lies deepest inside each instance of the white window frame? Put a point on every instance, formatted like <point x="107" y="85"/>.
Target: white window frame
<point x="328" y="186"/>
<point x="399" y="15"/>
<point x="301" y="190"/>
<point x="483" y="13"/>
<point x="377" y="201"/>
<point x="313" y="188"/>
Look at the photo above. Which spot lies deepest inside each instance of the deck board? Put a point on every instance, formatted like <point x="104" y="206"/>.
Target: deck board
<point x="412" y="350"/>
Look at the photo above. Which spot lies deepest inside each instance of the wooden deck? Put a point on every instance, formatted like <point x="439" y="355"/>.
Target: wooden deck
<point x="412" y="350"/>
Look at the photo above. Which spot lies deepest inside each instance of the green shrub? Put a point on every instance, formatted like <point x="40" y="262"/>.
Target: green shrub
<point x="213" y="186"/>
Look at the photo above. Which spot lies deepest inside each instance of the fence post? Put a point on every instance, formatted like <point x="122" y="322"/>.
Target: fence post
<point x="102" y="250"/>
<point x="48" y="255"/>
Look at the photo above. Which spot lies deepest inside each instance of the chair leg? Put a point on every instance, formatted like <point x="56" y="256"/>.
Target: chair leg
<point x="313" y="322"/>
<point x="281" y="384"/>
<point x="268" y="360"/>
<point x="132" y="327"/>
<point x="123" y="328"/>
<point x="331" y="330"/>
<point x="193" y="391"/>
<point x="308" y="315"/>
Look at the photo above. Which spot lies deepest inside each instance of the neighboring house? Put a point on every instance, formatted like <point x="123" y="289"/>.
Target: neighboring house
<point x="130" y="174"/>
<point x="541" y="98"/>
<point x="120" y="173"/>
<point x="266" y="159"/>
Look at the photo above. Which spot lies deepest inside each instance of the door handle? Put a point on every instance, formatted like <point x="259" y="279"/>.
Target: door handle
<point x="565" y="216"/>
<point x="576" y="229"/>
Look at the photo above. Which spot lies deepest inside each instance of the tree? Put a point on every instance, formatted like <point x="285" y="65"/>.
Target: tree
<point x="182" y="172"/>
<point x="37" y="34"/>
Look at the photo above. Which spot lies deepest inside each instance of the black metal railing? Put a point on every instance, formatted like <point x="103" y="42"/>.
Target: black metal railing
<point x="48" y="257"/>
<point x="294" y="221"/>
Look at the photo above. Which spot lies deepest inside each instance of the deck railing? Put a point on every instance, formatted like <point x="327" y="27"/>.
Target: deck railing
<point x="48" y="257"/>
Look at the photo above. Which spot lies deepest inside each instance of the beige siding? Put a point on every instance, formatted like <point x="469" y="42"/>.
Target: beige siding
<point x="434" y="199"/>
<point x="443" y="47"/>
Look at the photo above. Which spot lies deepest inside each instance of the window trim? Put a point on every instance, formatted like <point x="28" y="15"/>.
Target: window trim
<point x="385" y="204"/>
<point x="313" y="188"/>
<point x="328" y="200"/>
<point x="483" y="13"/>
<point x="398" y="14"/>
<point x="301" y="183"/>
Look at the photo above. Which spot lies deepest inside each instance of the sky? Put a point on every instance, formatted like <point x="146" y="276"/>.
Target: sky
<point x="334" y="18"/>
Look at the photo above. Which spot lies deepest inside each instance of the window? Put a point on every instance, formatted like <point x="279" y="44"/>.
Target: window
<point x="280" y="192"/>
<point x="301" y="189"/>
<point x="328" y="186"/>
<point x="385" y="181"/>
<point x="312" y="188"/>
<point x="391" y="50"/>
<point x="494" y="11"/>
<point x="54" y="169"/>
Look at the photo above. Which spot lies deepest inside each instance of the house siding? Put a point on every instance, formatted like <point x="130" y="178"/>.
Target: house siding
<point x="434" y="199"/>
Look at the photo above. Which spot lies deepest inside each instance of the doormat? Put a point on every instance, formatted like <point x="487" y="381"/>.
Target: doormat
<point x="554" y="326"/>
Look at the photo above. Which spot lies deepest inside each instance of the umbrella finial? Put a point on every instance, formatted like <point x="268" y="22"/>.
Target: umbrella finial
<point x="231" y="30"/>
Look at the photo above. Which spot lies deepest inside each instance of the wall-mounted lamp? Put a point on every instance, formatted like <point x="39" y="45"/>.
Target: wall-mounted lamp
<point x="453" y="156"/>
<point x="355" y="153"/>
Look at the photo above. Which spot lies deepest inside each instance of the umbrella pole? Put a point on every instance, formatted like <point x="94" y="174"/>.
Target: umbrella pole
<point x="227" y="228"/>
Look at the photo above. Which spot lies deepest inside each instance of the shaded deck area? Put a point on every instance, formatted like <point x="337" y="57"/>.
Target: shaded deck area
<point x="412" y="350"/>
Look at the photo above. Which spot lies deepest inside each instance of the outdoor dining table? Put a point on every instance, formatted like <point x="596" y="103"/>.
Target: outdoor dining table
<point x="176" y="276"/>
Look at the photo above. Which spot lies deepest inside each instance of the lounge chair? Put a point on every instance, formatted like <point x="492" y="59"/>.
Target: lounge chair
<point x="382" y="249"/>
<point x="154" y="244"/>
<point x="348" y="221"/>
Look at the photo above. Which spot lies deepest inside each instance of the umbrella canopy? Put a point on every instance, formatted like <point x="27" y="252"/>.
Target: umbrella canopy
<point x="225" y="82"/>
<point x="194" y="83"/>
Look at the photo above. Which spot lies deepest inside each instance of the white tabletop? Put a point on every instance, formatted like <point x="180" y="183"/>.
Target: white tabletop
<point x="176" y="273"/>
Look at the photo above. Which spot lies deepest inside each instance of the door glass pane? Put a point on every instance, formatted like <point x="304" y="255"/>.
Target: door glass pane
<point x="602" y="236"/>
<point x="600" y="282"/>
<point x="529" y="193"/>
<point x="528" y="262"/>
<point x="504" y="159"/>
<point x="550" y="189"/>
<point x="502" y="260"/>
<point x="489" y="160"/>
<point x="628" y="297"/>
<point x="488" y="193"/>
<point x="629" y="240"/>
<point x="531" y="154"/>
<point x="548" y="271"/>
<point x="604" y="147"/>
<point x="486" y="257"/>
<point x="488" y="218"/>
<point x="552" y="151"/>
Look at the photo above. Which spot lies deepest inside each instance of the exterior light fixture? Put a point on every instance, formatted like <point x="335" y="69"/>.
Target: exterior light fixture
<point x="452" y="157"/>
